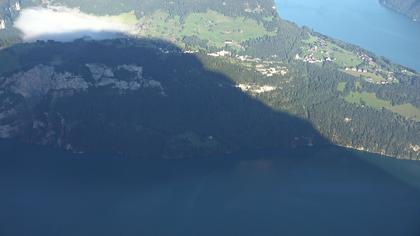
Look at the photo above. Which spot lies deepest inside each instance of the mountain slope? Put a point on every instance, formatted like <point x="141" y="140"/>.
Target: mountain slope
<point x="137" y="98"/>
<point x="410" y="8"/>
<point x="260" y="76"/>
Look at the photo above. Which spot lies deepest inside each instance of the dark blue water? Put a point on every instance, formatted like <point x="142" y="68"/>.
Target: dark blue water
<point x="328" y="191"/>
<point x="362" y="22"/>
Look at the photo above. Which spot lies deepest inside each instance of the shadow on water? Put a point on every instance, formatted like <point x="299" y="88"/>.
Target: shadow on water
<point x="263" y="187"/>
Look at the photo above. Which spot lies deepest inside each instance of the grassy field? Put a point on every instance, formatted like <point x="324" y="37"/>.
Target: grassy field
<point x="343" y="58"/>
<point x="212" y="26"/>
<point x="319" y="50"/>
<point x="311" y="40"/>
<point x="341" y="86"/>
<point x="218" y="28"/>
<point x="369" y="99"/>
<point x="366" y="76"/>
<point x="408" y="111"/>
<point x="160" y="25"/>
<point x="127" y="18"/>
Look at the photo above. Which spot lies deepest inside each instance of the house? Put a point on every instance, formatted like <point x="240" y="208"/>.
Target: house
<point x="228" y="42"/>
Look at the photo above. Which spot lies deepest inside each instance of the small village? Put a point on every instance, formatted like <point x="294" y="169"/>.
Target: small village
<point x="371" y="72"/>
<point x="319" y="51"/>
<point x="316" y="53"/>
<point x="375" y="77"/>
<point x="266" y="68"/>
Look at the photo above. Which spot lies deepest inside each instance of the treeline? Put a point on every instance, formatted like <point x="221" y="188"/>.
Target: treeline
<point x="400" y="93"/>
<point x="284" y="46"/>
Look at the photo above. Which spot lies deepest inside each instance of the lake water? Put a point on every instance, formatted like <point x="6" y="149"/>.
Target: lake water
<point x="362" y="22"/>
<point x="328" y="191"/>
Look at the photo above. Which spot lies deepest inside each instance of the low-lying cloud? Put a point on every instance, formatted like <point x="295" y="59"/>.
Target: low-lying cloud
<point x="65" y="24"/>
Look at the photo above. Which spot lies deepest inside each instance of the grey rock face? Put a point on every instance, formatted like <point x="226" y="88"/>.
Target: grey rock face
<point x="105" y="76"/>
<point x="21" y="92"/>
<point x="41" y="79"/>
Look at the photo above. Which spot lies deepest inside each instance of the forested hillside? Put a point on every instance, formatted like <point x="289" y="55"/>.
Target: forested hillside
<point x="137" y="98"/>
<point x="223" y="76"/>
<point x="410" y="8"/>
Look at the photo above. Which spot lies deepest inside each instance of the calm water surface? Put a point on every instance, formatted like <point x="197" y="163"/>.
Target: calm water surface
<point x="362" y="22"/>
<point x="326" y="191"/>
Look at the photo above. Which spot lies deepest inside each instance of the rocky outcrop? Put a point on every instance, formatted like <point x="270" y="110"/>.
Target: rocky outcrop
<point x="41" y="79"/>
<point x="105" y="76"/>
<point x="23" y="91"/>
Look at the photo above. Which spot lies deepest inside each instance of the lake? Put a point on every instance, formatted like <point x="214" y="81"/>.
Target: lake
<point x="361" y="22"/>
<point x="324" y="191"/>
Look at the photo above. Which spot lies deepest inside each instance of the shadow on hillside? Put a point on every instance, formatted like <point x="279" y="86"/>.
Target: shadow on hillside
<point x="298" y="184"/>
<point x="193" y="112"/>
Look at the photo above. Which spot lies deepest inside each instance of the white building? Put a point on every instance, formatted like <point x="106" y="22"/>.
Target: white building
<point x="2" y="25"/>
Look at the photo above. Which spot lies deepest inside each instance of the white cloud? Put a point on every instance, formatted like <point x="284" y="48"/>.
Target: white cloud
<point x="65" y="24"/>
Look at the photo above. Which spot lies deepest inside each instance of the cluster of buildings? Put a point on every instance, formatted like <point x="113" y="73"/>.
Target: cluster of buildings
<point x="312" y="58"/>
<point x="190" y="51"/>
<point x="366" y="58"/>
<point x="222" y="53"/>
<point x="266" y="68"/>
<point x="316" y="53"/>
<point x="255" y="89"/>
<point x="355" y="69"/>
<point x="389" y="80"/>
<point x="269" y="71"/>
